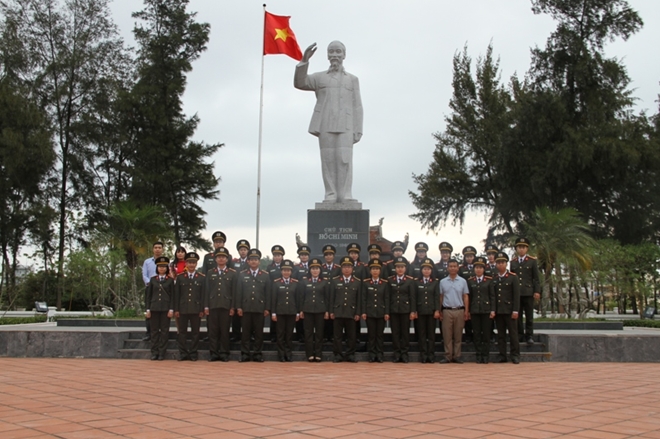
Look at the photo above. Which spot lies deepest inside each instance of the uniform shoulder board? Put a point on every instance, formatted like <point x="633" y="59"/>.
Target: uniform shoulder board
<point x="245" y="271"/>
<point x="278" y="279"/>
<point x="231" y="269"/>
<point x="473" y="278"/>
<point x="531" y="257"/>
<point x="209" y="254"/>
<point x="294" y="280"/>
<point x="408" y="277"/>
<point x="357" y="278"/>
<point x="488" y="277"/>
<point x="336" y="277"/>
<point x="201" y="274"/>
<point x="512" y="273"/>
<point x="262" y="272"/>
<point x="385" y="280"/>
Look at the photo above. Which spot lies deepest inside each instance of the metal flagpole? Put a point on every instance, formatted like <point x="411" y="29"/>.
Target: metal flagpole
<point x="261" y="116"/>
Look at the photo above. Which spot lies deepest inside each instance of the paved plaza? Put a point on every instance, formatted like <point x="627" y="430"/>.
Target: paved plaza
<point x="93" y="398"/>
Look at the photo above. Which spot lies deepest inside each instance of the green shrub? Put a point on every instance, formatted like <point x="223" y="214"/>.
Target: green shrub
<point x="643" y="323"/>
<point x="22" y="320"/>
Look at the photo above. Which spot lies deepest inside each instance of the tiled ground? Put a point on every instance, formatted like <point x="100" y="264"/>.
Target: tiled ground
<point x="86" y="398"/>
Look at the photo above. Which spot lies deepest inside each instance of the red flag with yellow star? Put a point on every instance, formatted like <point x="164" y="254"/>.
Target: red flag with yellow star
<point x="279" y="38"/>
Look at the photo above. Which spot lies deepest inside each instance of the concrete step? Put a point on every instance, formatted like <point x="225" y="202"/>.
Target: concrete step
<point x="468" y="357"/>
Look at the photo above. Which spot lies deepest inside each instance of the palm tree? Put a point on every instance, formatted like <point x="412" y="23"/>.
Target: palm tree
<point x="560" y="239"/>
<point x="133" y="230"/>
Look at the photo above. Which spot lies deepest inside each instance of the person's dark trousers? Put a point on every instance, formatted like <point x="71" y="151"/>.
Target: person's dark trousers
<point x="426" y="340"/>
<point x="314" y="328"/>
<point x="504" y="322"/>
<point x="468" y="333"/>
<point x="272" y="330"/>
<point x="346" y="325"/>
<point x="400" y="324"/>
<point x="218" y="323"/>
<point x="160" y="332"/>
<point x="328" y="329"/>
<point x="526" y="308"/>
<point x="147" y="324"/>
<point x="300" y="330"/>
<point x="181" y="338"/>
<point x="375" y="328"/>
<point x="252" y="322"/>
<point x="236" y="324"/>
<point x="285" y="326"/>
<point x="481" y="327"/>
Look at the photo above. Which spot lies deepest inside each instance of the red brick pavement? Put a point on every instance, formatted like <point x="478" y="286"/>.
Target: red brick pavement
<point x="89" y="398"/>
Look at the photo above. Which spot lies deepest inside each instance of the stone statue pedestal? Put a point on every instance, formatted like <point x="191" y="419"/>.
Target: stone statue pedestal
<point x="344" y="205"/>
<point x="338" y="227"/>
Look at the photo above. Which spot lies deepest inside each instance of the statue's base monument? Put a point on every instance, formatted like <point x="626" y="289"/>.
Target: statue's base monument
<point x="337" y="227"/>
<point x="343" y="205"/>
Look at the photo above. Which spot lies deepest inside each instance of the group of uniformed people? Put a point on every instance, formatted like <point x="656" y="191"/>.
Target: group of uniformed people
<point x="322" y="299"/>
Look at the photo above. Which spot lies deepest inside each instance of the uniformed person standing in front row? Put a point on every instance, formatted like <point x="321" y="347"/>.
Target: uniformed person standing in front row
<point x="345" y="297"/>
<point x="507" y="303"/>
<point x="375" y="310"/>
<point x="189" y="307"/>
<point x="402" y="309"/>
<point x="219" y="296"/>
<point x="527" y="270"/>
<point x="159" y="297"/>
<point x="274" y="272"/>
<point x="253" y="304"/>
<point x="314" y="309"/>
<point x="427" y="299"/>
<point x="329" y="270"/>
<point x="285" y="310"/>
<point x="482" y="303"/>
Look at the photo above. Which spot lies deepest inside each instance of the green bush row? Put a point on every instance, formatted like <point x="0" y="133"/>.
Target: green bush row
<point x="644" y="323"/>
<point x="21" y="320"/>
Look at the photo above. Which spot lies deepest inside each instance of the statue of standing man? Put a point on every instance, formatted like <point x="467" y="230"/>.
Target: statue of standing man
<point x="337" y="120"/>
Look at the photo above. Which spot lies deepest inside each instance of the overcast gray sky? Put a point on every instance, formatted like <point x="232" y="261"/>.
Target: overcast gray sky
<point x="402" y="53"/>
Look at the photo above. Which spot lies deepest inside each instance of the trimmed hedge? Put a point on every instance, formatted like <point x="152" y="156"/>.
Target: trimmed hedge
<point x="643" y="323"/>
<point x="21" y="320"/>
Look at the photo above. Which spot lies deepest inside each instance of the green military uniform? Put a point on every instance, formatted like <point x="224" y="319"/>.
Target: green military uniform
<point x="375" y="306"/>
<point x="189" y="304"/>
<point x="345" y="299"/>
<point x="219" y="296"/>
<point x="208" y="263"/>
<point x="427" y="299"/>
<point x="159" y="299"/>
<point x="441" y="269"/>
<point x="285" y="308"/>
<point x="527" y="270"/>
<point x="415" y="267"/>
<point x="275" y="272"/>
<point x="253" y="294"/>
<point x="402" y="304"/>
<point x="329" y="271"/>
<point x="507" y="301"/>
<point x="314" y="307"/>
<point x="482" y="303"/>
<point x="466" y="271"/>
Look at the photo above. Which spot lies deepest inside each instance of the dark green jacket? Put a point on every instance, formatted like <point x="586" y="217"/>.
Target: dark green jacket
<point x="427" y="296"/>
<point x="528" y="275"/>
<point x="220" y="290"/>
<point x="253" y="293"/>
<point x="285" y="297"/>
<point x="375" y="298"/>
<point x="482" y="295"/>
<point x="208" y="263"/>
<point x="465" y="272"/>
<point x="189" y="293"/>
<point x="402" y="295"/>
<point x="159" y="295"/>
<point x="345" y="299"/>
<point x="314" y="296"/>
<point x="441" y="270"/>
<point x="507" y="293"/>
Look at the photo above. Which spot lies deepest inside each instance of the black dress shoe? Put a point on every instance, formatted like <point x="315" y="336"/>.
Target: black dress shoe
<point x="457" y="361"/>
<point x="371" y="360"/>
<point x="311" y="359"/>
<point x="258" y="359"/>
<point x="396" y="360"/>
<point x="444" y="361"/>
<point x="502" y="360"/>
<point x="352" y="360"/>
<point x="430" y="360"/>
<point x="161" y="358"/>
<point x="318" y="359"/>
<point x="224" y="359"/>
<point x="154" y="357"/>
<point x="337" y="360"/>
<point x="515" y="360"/>
<point x="147" y="338"/>
<point x="193" y="358"/>
<point x="244" y="359"/>
<point x="379" y="360"/>
<point x="530" y="341"/>
<point x="479" y="361"/>
<point x="184" y="358"/>
<point x="282" y="360"/>
<point x="484" y="361"/>
<point x="404" y="360"/>
<point x="212" y="359"/>
<point x="289" y="359"/>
